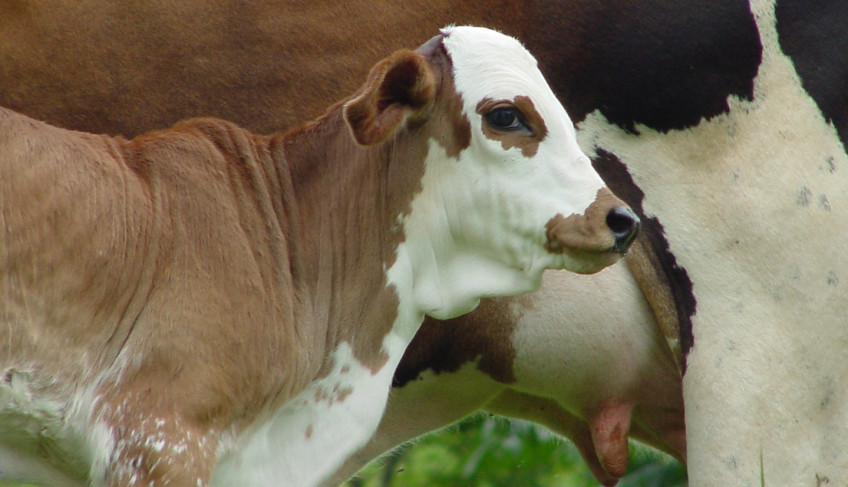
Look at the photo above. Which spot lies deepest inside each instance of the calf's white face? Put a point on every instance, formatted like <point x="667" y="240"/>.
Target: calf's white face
<point x="521" y="190"/>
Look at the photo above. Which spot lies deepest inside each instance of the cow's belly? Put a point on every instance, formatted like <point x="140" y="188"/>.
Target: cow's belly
<point x="308" y="438"/>
<point x="754" y="205"/>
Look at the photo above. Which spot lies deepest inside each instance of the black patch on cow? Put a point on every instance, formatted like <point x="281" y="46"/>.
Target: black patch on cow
<point x="484" y="336"/>
<point x="815" y="36"/>
<point x="620" y="181"/>
<point x="664" y="64"/>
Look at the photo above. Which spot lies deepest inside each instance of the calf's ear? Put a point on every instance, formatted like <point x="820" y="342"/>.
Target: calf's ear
<point x="399" y="88"/>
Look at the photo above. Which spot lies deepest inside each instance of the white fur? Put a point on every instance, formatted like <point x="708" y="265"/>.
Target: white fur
<point x="559" y="178"/>
<point x="754" y="205"/>
<point x="308" y="438"/>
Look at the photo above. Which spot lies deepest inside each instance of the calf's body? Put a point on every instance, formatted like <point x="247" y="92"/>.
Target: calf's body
<point x="248" y="63"/>
<point x="202" y="305"/>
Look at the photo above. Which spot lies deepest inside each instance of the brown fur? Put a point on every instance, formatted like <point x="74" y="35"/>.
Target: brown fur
<point x="528" y="143"/>
<point x="573" y="234"/>
<point x="126" y="69"/>
<point x="384" y="102"/>
<point x="646" y="269"/>
<point x="188" y="274"/>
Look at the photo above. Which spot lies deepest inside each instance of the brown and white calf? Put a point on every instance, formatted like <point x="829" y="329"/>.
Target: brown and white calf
<point x="581" y="356"/>
<point x="203" y="305"/>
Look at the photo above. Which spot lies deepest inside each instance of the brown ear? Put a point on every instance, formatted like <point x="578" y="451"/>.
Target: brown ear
<point x="398" y="87"/>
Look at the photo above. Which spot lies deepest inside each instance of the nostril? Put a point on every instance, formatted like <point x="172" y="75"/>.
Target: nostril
<point x="624" y="225"/>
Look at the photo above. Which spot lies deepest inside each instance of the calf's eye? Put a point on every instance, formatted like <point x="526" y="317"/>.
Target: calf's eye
<point x="507" y="119"/>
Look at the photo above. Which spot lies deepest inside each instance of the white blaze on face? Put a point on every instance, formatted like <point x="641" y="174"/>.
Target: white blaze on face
<point x="478" y="226"/>
<point x="491" y="66"/>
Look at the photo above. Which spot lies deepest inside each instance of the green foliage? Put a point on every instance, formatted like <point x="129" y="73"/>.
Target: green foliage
<point x="493" y="452"/>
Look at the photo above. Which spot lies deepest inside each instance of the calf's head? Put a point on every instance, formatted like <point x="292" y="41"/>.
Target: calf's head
<point x="505" y="192"/>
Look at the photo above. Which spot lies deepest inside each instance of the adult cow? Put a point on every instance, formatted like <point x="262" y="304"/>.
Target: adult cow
<point x="766" y="390"/>
<point x="202" y="305"/>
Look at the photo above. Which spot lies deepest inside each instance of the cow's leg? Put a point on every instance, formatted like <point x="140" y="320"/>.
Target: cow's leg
<point x="153" y="448"/>
<point x="549" y="413"/>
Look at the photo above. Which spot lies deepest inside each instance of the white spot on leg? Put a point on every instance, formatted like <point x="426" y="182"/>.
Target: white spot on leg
<point x="313" y="425"/>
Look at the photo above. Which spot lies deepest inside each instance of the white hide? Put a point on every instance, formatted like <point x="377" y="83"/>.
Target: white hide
<point x="328" y="421"/>
<point x="755" y="207"/>
<point x="587" y="339"/>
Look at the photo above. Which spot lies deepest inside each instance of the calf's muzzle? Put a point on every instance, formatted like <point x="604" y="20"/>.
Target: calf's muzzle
<point x="600" y="235"/>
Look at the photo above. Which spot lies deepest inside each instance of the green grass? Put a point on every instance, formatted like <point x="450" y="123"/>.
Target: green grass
<point x="492" y="452"/>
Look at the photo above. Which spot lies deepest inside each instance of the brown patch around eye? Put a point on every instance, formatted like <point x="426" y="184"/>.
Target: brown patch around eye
<point x="536" y="122"/>
<point x="528" y="143"/>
